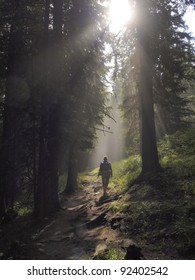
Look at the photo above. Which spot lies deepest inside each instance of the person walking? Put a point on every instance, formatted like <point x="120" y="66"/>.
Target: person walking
<point x="105" y="170"/>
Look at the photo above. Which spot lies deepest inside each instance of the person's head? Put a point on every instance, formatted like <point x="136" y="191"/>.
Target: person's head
<point x="105" y="159"/>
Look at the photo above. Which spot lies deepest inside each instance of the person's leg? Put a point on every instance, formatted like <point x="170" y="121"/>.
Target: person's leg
<point x="104" y="184"/>
<point x="108" y="178"/>
<point x="105" y="181"/>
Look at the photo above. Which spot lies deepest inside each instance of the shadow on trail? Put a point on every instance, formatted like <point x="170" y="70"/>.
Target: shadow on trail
<point x="80" y="229"/>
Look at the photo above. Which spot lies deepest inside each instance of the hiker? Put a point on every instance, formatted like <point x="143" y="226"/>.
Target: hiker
<point x="105" y="171"/>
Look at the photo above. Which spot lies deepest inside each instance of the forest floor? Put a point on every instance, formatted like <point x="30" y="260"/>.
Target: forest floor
<point x="80" y="230"/>
<point x="157" y="214"/>
<point x="84" y="228"/>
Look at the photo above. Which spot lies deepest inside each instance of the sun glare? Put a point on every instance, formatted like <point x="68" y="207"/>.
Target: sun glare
<point x="120" y="13"/>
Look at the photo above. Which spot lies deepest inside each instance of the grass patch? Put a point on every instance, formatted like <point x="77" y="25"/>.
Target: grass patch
<point x="162" y="213"/>
<point x="120" y="206"/>
<point x="124" y="172"/>
<point x="113" y="252"/>
<point x="22" y="209"/>
<point x="159" y="214"/>
<point x="178" y="152"/>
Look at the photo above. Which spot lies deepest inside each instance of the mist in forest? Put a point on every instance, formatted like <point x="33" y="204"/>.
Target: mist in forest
<point x="111" y="143"/>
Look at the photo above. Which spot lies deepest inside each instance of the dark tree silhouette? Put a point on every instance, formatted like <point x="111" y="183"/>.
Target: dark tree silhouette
<point x="150" y="161"/>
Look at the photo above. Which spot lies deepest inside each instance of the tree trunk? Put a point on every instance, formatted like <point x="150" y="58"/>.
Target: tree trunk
<point x="41" y="188"/>
<point x="150" y="161"/>
<point x="55" y="111"/>
<point x="72" y="184"/>
<point x="52" y="198"/>
<point x="46" y="197"/>
<point x="8" y="145"/>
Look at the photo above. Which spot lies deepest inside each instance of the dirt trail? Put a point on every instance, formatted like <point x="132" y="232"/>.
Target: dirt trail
<point x="80" y="230"/>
